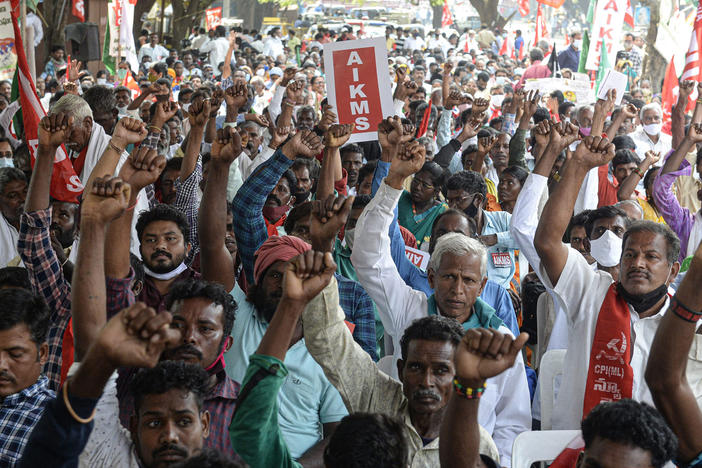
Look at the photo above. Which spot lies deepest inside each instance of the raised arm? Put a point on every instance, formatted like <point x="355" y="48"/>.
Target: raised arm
<point x="119" y="231"/>
<point x="104" y="201"/>
<point x="666" y="369"/>
<point x="134" y="338"/>
<point x="694" y="136"/>
<point x="591" y="152"/>
<point x="602" y="108"/>
<point x="517" y="145"/>
<point x="626" y="112"/>
<point x="216" y="262"/>
<point x="481" y="354"/>
<point x="677" y="116"/>
<point x="198" y="115"/>
<point x="334" y="138"/>
<point x="227" y="70"/>
<point x="628" y="185"/>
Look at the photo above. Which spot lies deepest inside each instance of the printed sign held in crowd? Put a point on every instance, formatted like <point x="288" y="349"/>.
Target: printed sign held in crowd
<point x="419" y="258"/>
<point x="358" y="84"/>
<point x="608" y="26"/>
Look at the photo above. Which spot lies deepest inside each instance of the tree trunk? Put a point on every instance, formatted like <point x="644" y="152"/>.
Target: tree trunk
<point x="438" y="11"/>
<point x="253" y="12"/>
<point x="654" y="65"/>
<point x="185" y="17"/>
<point x="142" y="6"/>
<point x="487" y="9"/>
<point x="53" y="33"/>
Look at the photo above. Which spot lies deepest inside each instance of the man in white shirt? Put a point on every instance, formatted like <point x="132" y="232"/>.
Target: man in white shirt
<point x="457" y="273"/>
<point x="13" y="192"/>
<point x="649" y="136"/>
<point x="605" y="318"/>
<point x="156" y="51"/>
<point x="273" y="45"/>
<point x="217" y="48"/>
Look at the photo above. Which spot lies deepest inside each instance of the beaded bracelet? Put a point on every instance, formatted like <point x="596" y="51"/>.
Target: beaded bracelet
<point x="468" y="392"/>
<point x="70" y="408"/>
<point x="683" y="312"/>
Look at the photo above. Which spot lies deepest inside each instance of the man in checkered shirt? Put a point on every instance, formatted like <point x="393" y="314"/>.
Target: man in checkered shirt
<point x="24" y="391"/>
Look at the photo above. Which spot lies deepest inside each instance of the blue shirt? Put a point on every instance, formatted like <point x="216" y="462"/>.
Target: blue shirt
<point x="569" y="58"/>
<point x="306" y="400"/>
<point x="493" y="294"/>
<point x="19" y="413"/>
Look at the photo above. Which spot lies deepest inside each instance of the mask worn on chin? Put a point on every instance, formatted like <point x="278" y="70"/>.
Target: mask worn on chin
<point x="348" y="237"/>
<point x="607" y="250"/>
<point x="300" y="197"/>
<point x="472" y="210"/>
<point x="122" y="110"/>
<point x="653" y="129"/>
<point x="218" y="365"/>
<point x="643" y="302"/>
<point x="275" y="212"/>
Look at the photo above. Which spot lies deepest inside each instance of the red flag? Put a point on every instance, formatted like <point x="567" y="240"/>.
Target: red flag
<point x="131" y="83"/>
<point x="541" y="30"/>
<point x="629" y="15"/>
<point x="65" y="184"/>
<point x="693" y="67"/>
<point x="446" y="17"/>
<point x="79" y="9"/>
<point x="670" y="91"/>
<point x="508" y="46"/>
<point x="523" y="7"/>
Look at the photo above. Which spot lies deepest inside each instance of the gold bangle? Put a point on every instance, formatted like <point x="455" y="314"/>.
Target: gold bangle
<point x="115" y="147"/>
<point x="154" y="129"/>
<point x="70" y="409"/>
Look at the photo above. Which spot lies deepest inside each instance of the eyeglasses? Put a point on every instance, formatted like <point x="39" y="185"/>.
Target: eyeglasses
<point x="422" y="184"/>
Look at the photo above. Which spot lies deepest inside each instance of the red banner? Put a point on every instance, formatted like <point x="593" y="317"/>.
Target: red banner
<point x="552" y="3"/>
<point x="357" y="93"/>
<point x="65" y="184"/>
<point x="79" y="9"/>
<point x="213" y="17"/>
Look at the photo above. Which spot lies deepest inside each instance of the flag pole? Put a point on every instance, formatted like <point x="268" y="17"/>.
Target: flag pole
<point x="119" y="37"/>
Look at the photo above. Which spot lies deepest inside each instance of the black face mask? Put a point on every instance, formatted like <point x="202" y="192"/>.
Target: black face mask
<point x="472" y="209"/>
<point x="643" y="302"/>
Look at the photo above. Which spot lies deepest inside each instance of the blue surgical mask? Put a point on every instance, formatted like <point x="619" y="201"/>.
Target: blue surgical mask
<point x="6" y="162"/>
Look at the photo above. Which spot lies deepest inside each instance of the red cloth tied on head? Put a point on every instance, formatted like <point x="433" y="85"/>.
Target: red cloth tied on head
<point x="277" y="248"/>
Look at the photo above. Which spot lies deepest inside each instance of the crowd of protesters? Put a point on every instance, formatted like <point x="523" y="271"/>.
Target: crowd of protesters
<point x="233" y="288"/>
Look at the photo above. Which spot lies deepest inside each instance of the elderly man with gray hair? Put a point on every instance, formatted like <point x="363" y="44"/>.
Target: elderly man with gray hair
<point x="86" y="144"/>
<point x="457" y="273"/>
<point x="649" y="137"/>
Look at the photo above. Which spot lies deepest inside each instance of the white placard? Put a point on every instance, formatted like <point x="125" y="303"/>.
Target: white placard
<point x="358" y="84"/>
<point x="608" y="25"/>
<point x="419" y="258"/>
<point x="612" y="80"/>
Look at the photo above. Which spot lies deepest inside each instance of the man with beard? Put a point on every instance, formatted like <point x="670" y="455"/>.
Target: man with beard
<point x="303" y="169"/>
<point x="202" y="312"/>
<point x="305" y="118"/>
<point x="352" y="161"/>
<point x="103" y="104"/>
<point x="261" y="204"/>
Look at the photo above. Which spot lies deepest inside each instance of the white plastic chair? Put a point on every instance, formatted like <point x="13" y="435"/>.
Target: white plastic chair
<point x="539" y="446"/>
<point x="551" y="367"/>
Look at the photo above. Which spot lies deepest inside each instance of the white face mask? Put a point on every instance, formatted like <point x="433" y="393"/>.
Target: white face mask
<point x="101" y="81"/>
<point x="652" y="129"/>
<point x="122" y="110"/>
<point x="607" y="250"/>
<point x="172" y="150"/>
<point x="6" y="162"/>
<point x="578" y="43"/>
<point x="500" y="80"/>
<point x="185" y="107"/>
<point x="260" y="72"/>
<point x="496" y="100"/>
<point x="348" y="237"/>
